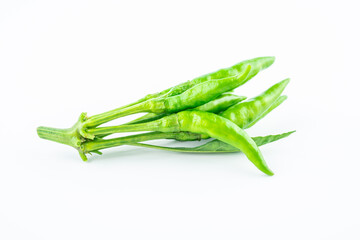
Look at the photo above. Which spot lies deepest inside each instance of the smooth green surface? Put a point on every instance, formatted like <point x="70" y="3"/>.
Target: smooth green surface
<point x="274" y="105"/>
<point x="225" y="131"/>
<point x="257" y="64"/>
<point x="186" y="112"/>
<point x="195" y="96"/>
<point x="248" y="111"/>
<point x="221" y="103"/>
<point x="191" y="98"/>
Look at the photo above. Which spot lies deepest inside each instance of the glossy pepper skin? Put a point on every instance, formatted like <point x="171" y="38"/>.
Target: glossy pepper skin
<point x="257" y="64"/>
<point x="193" y="97"/>
<point x="245" y="113"/>
<point x="274" y="105"/>
<point x="225" y="131"/>
<point x="202" y="123"/>
<point x="223" y="102"/>
<point x="184" y="118"/>
<point x="219" y="104"/>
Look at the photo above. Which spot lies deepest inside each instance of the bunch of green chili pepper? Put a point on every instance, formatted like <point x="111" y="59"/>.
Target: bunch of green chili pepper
<point x="199" y="109"/>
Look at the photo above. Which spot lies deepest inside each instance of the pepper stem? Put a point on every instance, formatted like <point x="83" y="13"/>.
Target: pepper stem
<point x="70" y="136"/>
<point x="64" y="136"/>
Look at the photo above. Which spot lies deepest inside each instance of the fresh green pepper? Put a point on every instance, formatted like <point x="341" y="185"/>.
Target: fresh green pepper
<point x="187" y="114"/>
<point x="252" y="110"/>
<point x="193" y="97"/>
<point x="223" y="102"/>
<point x="246" y="114"/>
<point x="257" y="64"/>
<point x="202" y="123"/>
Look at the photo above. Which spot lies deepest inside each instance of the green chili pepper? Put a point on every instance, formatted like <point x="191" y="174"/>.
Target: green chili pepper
<point x="71" y="136"/>
<point x="246" y="114"/>
<point x="215" y="146"/>
<point x="193" y="97"/>
<point x="257" y="64"/>
<point x="223" y="102"/>
<point x="202" y="123"/>
<point x="252" y="110"/>
<point x="193" y="136"/>
<point x="243" y="114"/>
<point x="278" y="101"/>
<point x="200" y="100"/>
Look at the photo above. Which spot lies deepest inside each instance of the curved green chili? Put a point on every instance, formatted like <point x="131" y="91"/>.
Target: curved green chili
<point x="274" y="105"/>
<point x="203" y="123"/>
<point x="198" y="95"/>
<point x="245" y="113"/>
<point x="193" y="97"/>
<point x="257" y="64"/>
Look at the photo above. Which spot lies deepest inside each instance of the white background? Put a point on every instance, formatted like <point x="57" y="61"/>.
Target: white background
<point x="60" y="58"/>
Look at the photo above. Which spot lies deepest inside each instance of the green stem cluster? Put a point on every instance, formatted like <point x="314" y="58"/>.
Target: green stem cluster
<point x="214" y="113"/>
